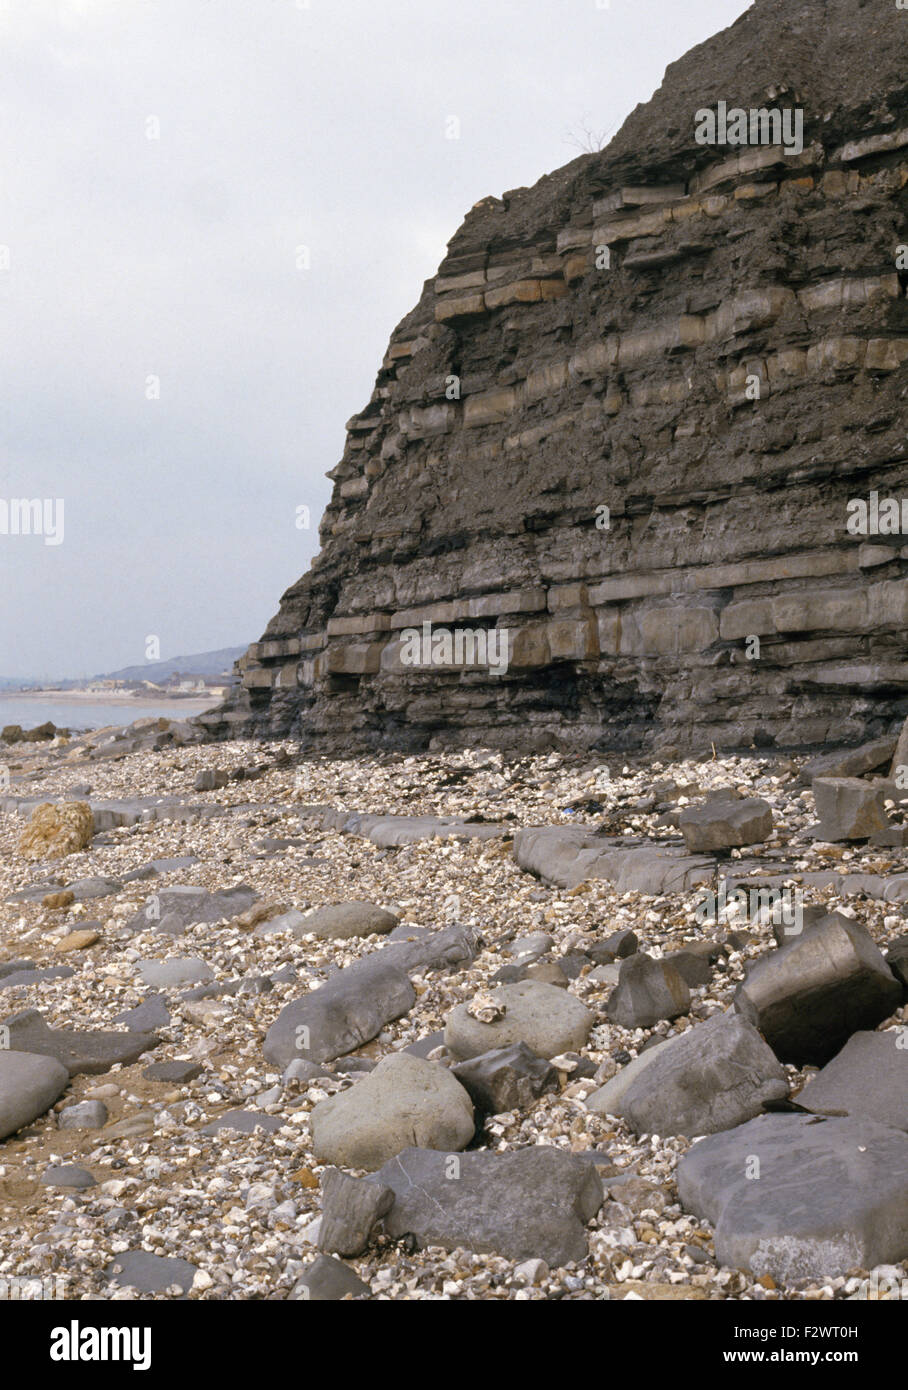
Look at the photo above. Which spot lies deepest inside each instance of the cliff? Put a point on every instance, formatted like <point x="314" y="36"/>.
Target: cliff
<point x="625" y="423"/>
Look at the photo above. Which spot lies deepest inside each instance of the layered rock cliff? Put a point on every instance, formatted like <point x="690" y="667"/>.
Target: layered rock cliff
<point x="625" y="422"/>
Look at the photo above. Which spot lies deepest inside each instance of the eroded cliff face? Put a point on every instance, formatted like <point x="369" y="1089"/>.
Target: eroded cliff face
<point x="708" y="341"/>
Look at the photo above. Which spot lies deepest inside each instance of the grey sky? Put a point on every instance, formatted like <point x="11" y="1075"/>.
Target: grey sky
<point x="280" y="125"/>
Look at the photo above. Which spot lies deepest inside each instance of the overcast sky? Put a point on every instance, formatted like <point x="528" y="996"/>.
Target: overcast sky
<point x="161" y="162"/>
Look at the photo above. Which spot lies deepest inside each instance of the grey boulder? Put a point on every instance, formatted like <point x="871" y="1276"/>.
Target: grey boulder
<point x="181" y="906"/>
<point x="29" y="1085"/>
<point x="549" y="1020"/>
<point x="799" y="1197"/>
<point x="648" y="991"/>
<point x="347" y="1011"/>
<point x="148" y="1273"/>
<point x="868" y="1077"/>
<point x="88" y="1114"/>
<point x="533" y="1203"/>
<point x="404" y="1099"/>
<point x="166" y="974"/>
<point x="327" y="1280"/>
<point x="712" y="1077"/>
<point x="848" y="808"/>
<point x="344" y="920"/>
<point x="808" y="997"/>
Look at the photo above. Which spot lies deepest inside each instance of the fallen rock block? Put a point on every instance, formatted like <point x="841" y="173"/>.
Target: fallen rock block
<point x="849" y="762"/>
<point x="549" y="1020"/>
<point x="710" y="1078"/>
<point x="868" y="1077"/>
<point x="809" y="996"/>
<point x="530" y="1204"/>
<point x="403" y="1099"/>
<point x="799" y="1197"/>
<point x="348" y="1010"/>
<point x="351" y="1209"/>
<point x="725" y="823"/>
<point x="647" y="991"/>
<point x="848" y="808"/>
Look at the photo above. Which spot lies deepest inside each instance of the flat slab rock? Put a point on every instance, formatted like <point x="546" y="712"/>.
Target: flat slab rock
<point x="530" y="1204"/>
<point x="92" y="1053"/>
<point x="172" y="909"/>
<point x="327" y="1280"/>
<point x="139" y="1269"/>
<point x="713" y="1077"/>
<point x="548" y="1019"/>
<point x="831" y="1195"/>
<point x="244" y="1122"/>
<point x="389" y="832"/>
<point x="868" y="1077"/>
<point x="568" y="855"/>
<point x="403" y="1099"/>
<point x="725" y="822"/>
<point x="30" y="1083"/>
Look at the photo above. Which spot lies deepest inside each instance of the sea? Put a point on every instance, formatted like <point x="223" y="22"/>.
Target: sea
<point x="82" y="715"/>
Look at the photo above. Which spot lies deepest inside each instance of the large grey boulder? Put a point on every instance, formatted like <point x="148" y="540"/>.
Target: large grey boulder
<point x="711" y="1078"/>
<point x="798" y="1197"/>
<point x="350" y="919"/>
<point x="530" y="1204"/>
<point x="91" y="1052"/>
<point x="647" y="991"/>
<point x="507" y="1078"/>
<point x="348" y="1010"/>
<point x="808" y="997"/>
<point x="549" y="1020"/>
<point x="848" y="808"/>
<point x="404" y="1099"/>
<point x="868" y="1077"/>
<point x="849" y="762"/>
<point x="725" y="822"/>
<point x="351" y="1208"/>
<point x="29" y="1085"/>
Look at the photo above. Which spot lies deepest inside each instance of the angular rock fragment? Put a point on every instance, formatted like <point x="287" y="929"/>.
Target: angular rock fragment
<point x="648" y="991"/>
<point x="547" y="1019"/>
<point x="712" y="1077"/>
<point x="177" y="1072"/>
<point x="30" y="1083"/>
<point x="848" y="808"/>
<point x="799" y="1197"/>
<point x="351" y="1208"/>
<point x="868" y="1077"/>
<point x="244" y="1122"/>
<point x="897" y="960"/>
<point x="507" y="1078"/>
<point x="404" y="1099"/>
<point x="809" y="996"/>
<point x="725" y="823"/>
<point x="327" y="1280"/>
<point x="530" y="1204"/>
<point x="88" y="1114"/>
<point x="68" y="1175"/>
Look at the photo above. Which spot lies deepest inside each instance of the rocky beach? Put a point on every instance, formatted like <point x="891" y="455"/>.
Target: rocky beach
<point x="287" y="1028"/>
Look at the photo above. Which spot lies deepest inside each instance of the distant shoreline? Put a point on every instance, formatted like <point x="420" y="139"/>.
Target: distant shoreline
<point x="197" y="703"/>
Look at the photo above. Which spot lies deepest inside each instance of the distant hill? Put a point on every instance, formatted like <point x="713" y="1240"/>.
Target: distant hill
<point x="219" y="663"/>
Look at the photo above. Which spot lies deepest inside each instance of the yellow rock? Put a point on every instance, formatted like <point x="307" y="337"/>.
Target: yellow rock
<point x="78" y="941"/>
<point x="660" y="1292"/>
<point x="306" y="1177"/>
<point x="58" y="899"/>
<point x="54" y="831"/>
